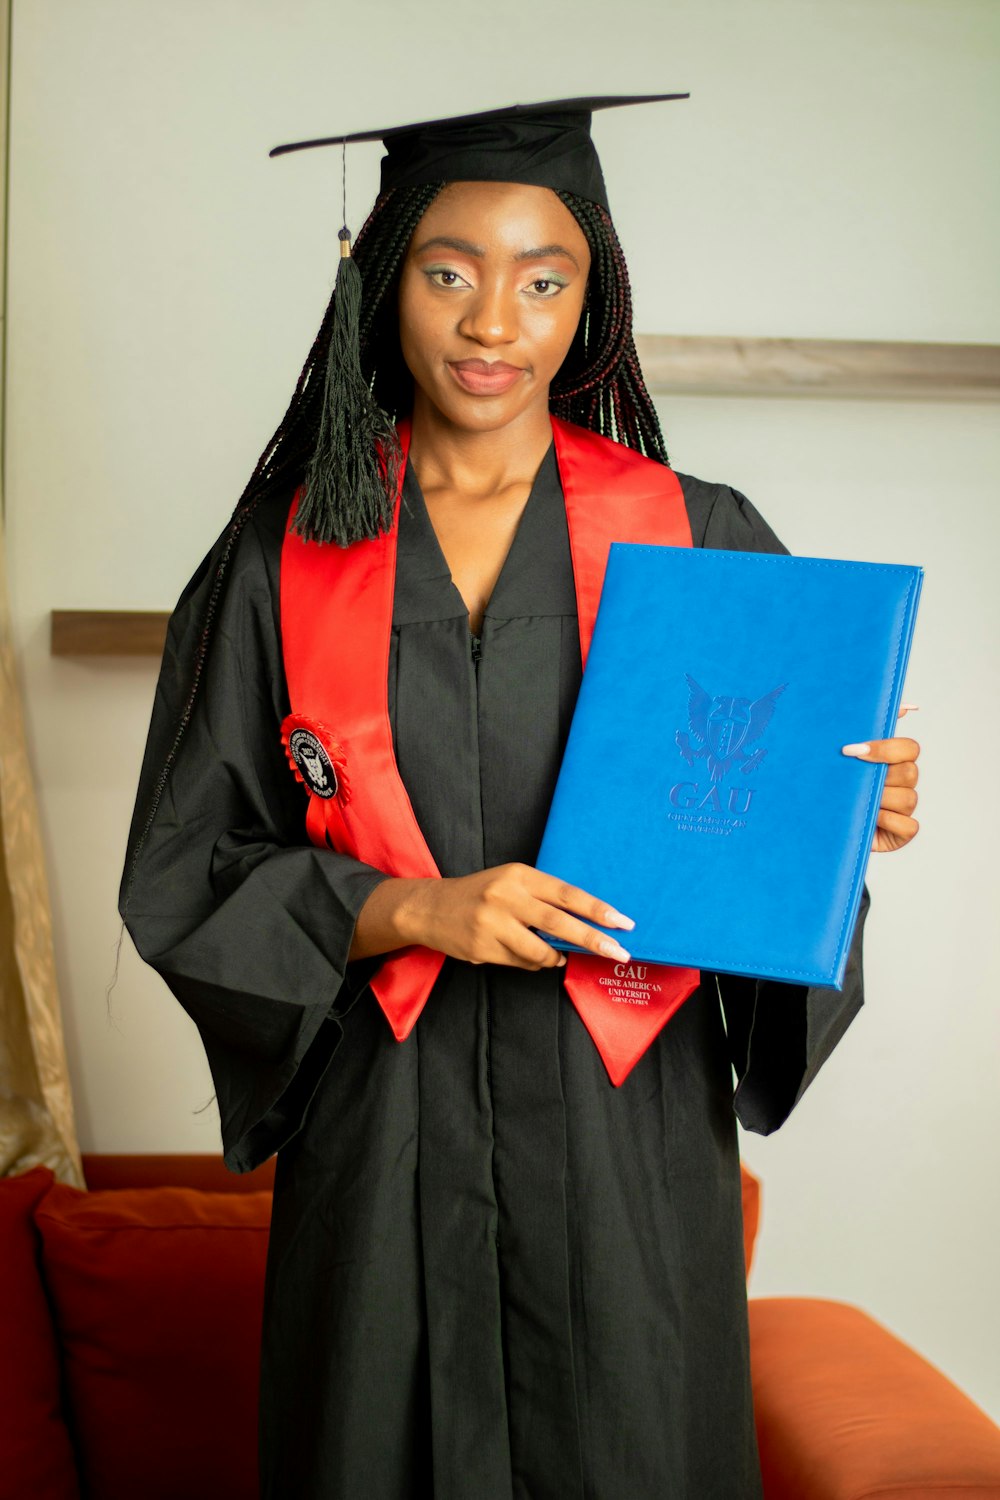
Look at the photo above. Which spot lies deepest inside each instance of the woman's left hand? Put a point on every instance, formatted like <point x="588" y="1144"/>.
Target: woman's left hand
<point x="896" y="824"/>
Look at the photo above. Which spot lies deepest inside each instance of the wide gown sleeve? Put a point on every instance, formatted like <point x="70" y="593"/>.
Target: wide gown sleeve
<point x="779" y="1034"/>
<point x="248" y="923"/>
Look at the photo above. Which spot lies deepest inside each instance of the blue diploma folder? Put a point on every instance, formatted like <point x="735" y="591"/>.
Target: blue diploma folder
<point x="703" y="791"/>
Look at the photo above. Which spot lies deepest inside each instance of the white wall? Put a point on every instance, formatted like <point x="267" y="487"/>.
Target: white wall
<point x="883" y="1187"/>
<point x="834" y="175"/>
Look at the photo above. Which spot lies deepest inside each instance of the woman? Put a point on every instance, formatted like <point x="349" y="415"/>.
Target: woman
<point x="491" y="1273"/>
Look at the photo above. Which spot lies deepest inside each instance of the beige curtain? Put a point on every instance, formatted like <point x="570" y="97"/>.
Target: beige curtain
<point x="36" y="1106"/>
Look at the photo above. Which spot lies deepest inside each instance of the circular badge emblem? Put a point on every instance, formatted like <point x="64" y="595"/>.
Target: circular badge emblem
<point x="312" y="763"/>
<point x="317" y="758"/>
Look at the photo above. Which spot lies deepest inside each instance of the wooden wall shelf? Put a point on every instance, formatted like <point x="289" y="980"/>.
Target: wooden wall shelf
<point x="676" y="365"/>
<point x="108" y="632"/>
<point x="819" y="367"/>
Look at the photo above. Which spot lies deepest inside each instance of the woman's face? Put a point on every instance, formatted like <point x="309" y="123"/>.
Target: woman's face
<point x="491" y="294"/>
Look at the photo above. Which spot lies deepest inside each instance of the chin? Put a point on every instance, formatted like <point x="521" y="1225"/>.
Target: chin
<point x="486" y="417"/>
<point x="484" y="413"/>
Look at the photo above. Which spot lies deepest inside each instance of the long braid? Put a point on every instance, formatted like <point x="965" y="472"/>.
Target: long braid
<point x="600" y="385"/>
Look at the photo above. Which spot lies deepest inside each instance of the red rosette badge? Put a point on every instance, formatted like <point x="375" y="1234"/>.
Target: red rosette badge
<point x="317" y="758"/>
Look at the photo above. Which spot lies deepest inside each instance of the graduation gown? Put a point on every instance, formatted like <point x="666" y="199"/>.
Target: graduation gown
<point x="490" y="1273"/>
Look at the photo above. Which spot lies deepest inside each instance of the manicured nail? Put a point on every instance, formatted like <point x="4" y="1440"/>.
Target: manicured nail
<point x="856" y="750"/>
<point x="614" y="918"/>
<point x="909" y="708"/>
<point x="611" y="949"/>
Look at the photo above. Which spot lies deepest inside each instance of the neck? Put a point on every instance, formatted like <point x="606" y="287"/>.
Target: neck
<point x="475" y="463"/>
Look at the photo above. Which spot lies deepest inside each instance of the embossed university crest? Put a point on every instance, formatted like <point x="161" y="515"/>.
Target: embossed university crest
<point x="723" y="727"/>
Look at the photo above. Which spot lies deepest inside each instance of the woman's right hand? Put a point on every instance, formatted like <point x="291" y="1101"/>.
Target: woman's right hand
<point x="488" y="918"/>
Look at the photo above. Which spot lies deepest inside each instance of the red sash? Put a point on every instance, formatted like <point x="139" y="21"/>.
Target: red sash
<point x="336" y="626"/>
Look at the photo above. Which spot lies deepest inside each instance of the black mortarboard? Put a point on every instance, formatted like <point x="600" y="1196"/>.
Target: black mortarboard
<point x="546" y="145"/>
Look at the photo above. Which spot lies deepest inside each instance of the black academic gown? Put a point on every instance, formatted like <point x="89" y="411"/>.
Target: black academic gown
<point x="491" y="1273"/>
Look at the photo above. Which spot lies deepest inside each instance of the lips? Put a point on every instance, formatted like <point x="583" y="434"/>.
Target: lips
<point x="484" y="377"/>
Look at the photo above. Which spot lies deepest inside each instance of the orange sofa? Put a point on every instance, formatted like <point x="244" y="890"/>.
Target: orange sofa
<point x="129" y="1355"/>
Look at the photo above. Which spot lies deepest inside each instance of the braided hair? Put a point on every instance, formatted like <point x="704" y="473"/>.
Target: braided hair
<point x="599" y="386"/>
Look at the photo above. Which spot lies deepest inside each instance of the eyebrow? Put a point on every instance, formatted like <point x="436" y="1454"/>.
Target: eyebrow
<point x="466" y="247"/>
<point x="548" y="252"/>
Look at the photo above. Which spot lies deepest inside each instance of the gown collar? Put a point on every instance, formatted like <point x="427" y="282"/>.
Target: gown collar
<point x="537" y="574"/>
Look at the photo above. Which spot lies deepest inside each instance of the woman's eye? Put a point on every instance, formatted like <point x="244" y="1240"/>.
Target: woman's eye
<point x="546" y="286"/>
<point x="440" y="276"/>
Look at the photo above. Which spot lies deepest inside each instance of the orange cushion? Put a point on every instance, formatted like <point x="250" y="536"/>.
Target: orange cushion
<point x="157" y="1294"/>
<point x="751" y="1213"/>
<point x="845" y="1411"/>
<point x="36" y="1457"/>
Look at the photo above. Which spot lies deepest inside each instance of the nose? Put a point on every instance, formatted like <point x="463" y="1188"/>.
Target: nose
<point x="490" y="317"/>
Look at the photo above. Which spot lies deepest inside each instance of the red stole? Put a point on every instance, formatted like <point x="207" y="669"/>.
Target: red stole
<point x="336" y="626"/>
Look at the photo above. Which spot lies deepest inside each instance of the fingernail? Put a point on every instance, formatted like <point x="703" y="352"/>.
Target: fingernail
<point x="855" y="749"/>
<point x="611" y="949"/>
<point x="562" y="962"/>
<point x="909" y="708"/>
<point x="614" y="918"/>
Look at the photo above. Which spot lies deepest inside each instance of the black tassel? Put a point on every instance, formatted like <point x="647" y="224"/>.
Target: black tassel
<point x="355" y="466"/>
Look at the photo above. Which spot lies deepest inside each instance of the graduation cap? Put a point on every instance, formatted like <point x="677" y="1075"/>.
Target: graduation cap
<point x="546" y="145"/>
